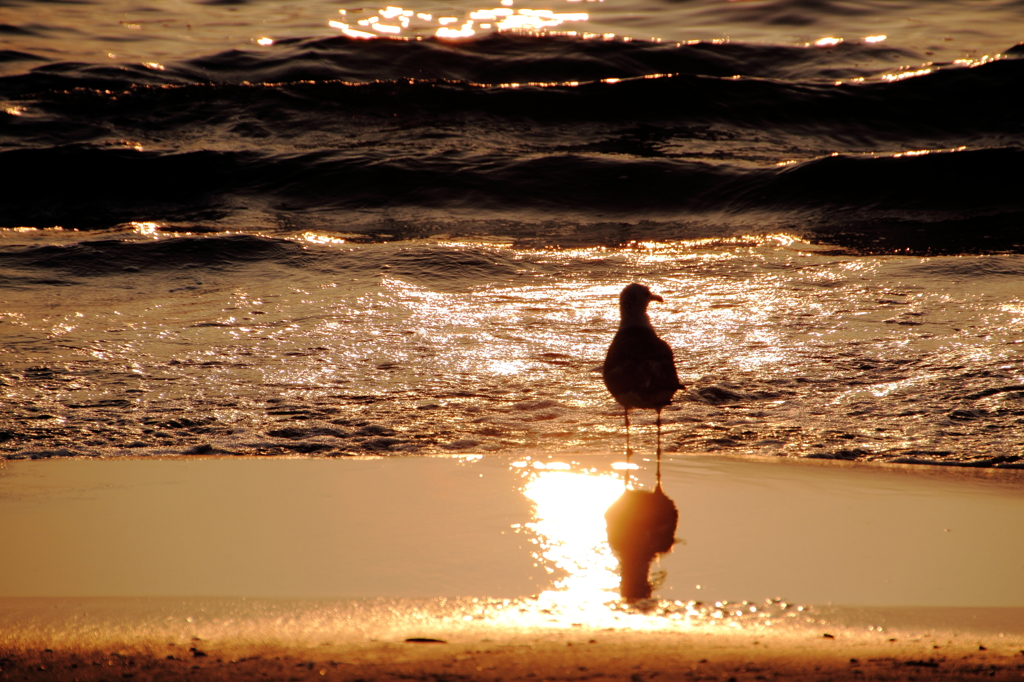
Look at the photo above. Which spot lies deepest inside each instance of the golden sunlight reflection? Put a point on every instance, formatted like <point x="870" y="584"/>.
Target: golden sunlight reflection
<point x="903" y="75"/>
<point x="984" y="59"/>
<point x="374" y="332"/>
<point x="571" y="530"/>
<point x="925" y="152"/>
<point x="145" y="229"/>
<point x="396" y="21"/>
<point x="491" y="338"/>
<point x="506" y="367"/>
<point x="316" y="238"/>
<point x="569" y="525"/>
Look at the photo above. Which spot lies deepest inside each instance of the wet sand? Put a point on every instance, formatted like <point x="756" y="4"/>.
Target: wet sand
<point x="921" y="644"/>
<point x="500" y="527"/>
<point x="317" y="569"/>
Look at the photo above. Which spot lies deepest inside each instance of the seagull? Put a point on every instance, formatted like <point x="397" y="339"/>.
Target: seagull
<point x="639" y="369"/>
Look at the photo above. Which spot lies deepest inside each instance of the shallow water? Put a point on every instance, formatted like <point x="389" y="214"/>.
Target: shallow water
<point x="248" y="345"/>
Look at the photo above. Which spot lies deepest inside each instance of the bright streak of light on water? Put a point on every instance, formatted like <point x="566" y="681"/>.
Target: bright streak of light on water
<point x="569" y="522"/>
<point x="451" y="27"/>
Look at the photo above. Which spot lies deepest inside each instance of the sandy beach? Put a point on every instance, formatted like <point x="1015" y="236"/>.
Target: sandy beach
<point x="85" y="645"/>
<point x="498" y="570"/>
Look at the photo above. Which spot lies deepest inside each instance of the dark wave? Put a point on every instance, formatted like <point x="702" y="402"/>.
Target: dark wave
<point x="437" y="268"/>
<point x="16" y="56"/>
<point x="510" y="58"/>
<point x="493" y="59"/>
<point x="110" y="256"/>
<point x="947" y="103"/>
<point x="947" y="182"/>
<point x="11" y="30"/>
<point x="291" y="133"/>
<point x="94" y="187"/>
<point x="91" y="187"/>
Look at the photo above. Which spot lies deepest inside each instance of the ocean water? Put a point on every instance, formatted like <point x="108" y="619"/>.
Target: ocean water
<point x="319" y="229"/>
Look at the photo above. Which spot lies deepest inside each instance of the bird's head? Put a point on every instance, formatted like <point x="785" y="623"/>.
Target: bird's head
<point x="638" y="296"/>
<point x="633" y="304"/>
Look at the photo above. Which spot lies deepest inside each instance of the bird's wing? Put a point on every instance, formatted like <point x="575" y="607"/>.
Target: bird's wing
<point x="639" y="370"/>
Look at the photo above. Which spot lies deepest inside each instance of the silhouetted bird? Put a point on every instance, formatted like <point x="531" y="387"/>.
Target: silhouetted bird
<point x="639" y="370"/>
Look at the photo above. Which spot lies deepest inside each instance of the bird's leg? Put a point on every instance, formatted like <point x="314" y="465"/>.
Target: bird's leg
<point x="629" y="450"/>
<point x="659" y="447"/>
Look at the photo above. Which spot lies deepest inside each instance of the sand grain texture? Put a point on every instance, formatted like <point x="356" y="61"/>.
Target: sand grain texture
<point x="609" y="656"/>
<point x="93" y="640"/>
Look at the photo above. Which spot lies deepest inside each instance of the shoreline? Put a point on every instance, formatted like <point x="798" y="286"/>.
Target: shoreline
<point x="956" y="467"/>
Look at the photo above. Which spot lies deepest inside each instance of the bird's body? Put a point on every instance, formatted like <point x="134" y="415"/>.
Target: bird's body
<point x="639" y="370"/>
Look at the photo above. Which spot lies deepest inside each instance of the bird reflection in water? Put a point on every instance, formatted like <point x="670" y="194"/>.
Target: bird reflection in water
<point x="641" y="526"/>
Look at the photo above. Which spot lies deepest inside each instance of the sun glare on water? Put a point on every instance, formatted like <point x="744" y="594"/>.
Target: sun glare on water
<point x="571" y="537"/>
<point x="570" y="526"/>
<point x="397" y="21"/>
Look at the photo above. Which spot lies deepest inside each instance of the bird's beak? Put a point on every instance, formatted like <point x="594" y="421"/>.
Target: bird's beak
<point x="659" y="299"/>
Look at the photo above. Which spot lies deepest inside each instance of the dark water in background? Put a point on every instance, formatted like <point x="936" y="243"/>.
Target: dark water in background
<point x="277" y="238"/>
<point x="192" y="124"/>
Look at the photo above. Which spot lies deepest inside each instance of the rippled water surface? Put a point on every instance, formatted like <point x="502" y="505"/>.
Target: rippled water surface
<point x="119" y="30"/>
<point x="264" y="346"/>
<point x="322" y="229"/>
